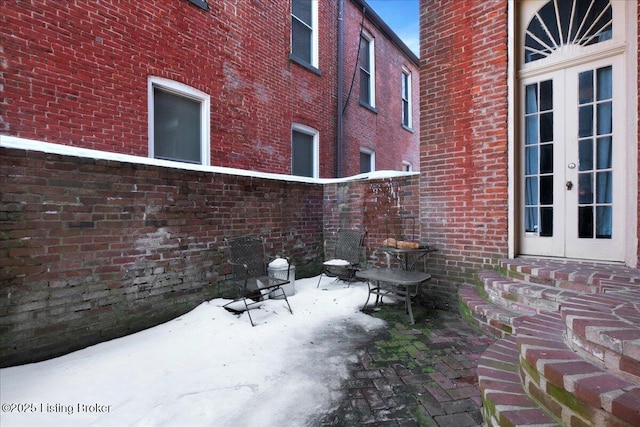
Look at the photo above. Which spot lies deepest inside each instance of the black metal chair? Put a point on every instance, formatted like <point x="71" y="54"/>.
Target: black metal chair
<point x="346" y="257"/>
<point x="250" y="274"/>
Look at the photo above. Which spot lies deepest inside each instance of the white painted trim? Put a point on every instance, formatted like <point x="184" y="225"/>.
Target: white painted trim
<point x="371" y="153"/>
<point x="372" y="67"/>
<point x="189" y="92"/>
<point x="314" y="34"/>
<point x="631" y="71"/>
<point x="407" y="72"/>
<point x="12" y="142"/>
<point x="512" y="228"/>
<point x="308" y="130"/>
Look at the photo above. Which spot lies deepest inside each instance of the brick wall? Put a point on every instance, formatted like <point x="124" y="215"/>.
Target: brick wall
<point x="95" y="249"/>
<point x="374" y="205"/>
<point x="463" y="152"/>
<point x="76" y="73"/>
<point x="379" y="131"/>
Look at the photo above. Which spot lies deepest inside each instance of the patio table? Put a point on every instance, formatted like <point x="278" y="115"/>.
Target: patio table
<point x="394" y="282"/>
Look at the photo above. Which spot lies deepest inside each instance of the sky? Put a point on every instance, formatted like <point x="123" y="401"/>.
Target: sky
<point x="208" y="367"/>
<point x="403" y="18"/>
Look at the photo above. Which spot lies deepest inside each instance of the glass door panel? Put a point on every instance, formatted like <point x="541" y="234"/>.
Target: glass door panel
<point x="541" y="158"/>
<point x="594" y="219"/>
<point x="538" y="158"/>
<point x="595" y="184"/>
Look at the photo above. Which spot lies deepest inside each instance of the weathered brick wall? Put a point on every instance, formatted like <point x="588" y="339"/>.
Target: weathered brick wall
<point x="463" y="152"/>
<point x="379" y="131"/>
<point x="372" y="205"/>
<point x="95" y="249"/>
<point x="75" y="73"/>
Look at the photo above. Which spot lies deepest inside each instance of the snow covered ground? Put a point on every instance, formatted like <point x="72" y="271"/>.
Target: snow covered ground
<point x="208" y="367"/>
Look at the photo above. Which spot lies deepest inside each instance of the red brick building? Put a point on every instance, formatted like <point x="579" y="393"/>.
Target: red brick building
<point x="250" y="85"/>
<point x="514" y="159"/>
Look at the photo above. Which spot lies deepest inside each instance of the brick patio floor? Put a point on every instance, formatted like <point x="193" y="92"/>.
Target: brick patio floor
<point x="414" y="375"/>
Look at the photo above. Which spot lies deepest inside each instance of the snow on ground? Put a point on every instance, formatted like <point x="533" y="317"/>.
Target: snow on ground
<point x="208" y="367"/>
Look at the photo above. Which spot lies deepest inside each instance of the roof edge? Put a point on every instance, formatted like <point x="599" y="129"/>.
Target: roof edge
<point x="386" y="30"/>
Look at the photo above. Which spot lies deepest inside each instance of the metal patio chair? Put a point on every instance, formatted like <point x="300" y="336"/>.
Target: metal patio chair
<point x="345" y="260"/>
<point x="250" y="274"/>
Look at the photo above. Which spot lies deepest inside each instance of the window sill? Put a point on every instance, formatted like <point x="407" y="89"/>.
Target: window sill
<point x="369" y="107"/>
<point x="305" y="64"/>
<point x="408" y="129"/>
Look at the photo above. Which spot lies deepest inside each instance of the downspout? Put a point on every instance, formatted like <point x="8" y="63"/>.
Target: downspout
<point x="340" y="88"/>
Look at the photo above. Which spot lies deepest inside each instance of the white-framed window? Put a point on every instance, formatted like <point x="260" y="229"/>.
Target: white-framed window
<point x="304" y="151"/>
<point x="407" y="166"/>
<point x="178" y="122"/>
<point x="367" y="160"/>
<point x="406" y="99"/>
<point x="304" y="31"/>
<point x="367" y="71"/>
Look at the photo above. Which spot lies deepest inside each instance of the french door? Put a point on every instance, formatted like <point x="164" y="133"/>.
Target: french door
<point x="572" y="162"/>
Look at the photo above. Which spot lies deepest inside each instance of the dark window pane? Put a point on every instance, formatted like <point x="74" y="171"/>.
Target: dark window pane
<point x="176" y="123"/>
<point x="546" y="190"/>
<point x="546" y="222"/>
<point x="531" y="130"/>
<point x="531" y="220"/>
<point x="546" y="127"/>
<point x="302" y="10"/>
<point x="596" y="23"/>
<point x="604" y="118"/>
<point x="604" y="153"/>
<point x="548" y="15"/>
<point x="536" y="28"/>
<point x="405" y="113"/>
<point x="365" y="62"/>
<point x="585" y="222"/>
<point x="585" y="188"/>
<point x="531" y="99"/>
<point x="365" y="162"/>
<point x="605" y="88"/>
<point x="604" y="187"/>
<point x="405" y="86"/>
<point x="565" y="22"/>
<point x="302" y="154"/>
<point x="604" y="222"/>
<point x="585" y="87"/>
<point x="365" y="95"/>
<point x="300" y="40"/>
<point x="531" y="160"/>
<point x="531" y="191"/>
<point x="546" y="95"/>
<point x="546" y="158"/>
<point x="585" y="121"/>
<point x="585" y="155"/>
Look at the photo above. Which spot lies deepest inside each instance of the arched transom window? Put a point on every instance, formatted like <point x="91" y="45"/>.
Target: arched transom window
<point x="567" y="22"/>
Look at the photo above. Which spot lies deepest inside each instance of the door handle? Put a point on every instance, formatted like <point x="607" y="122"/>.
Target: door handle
<point x="569" y="185"/>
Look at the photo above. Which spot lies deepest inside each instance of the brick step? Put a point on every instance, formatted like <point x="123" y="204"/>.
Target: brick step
<point x="582" y="276"/>
<point x="487" y="316"/>
<point x="505" y="402"/>
<point x="523" y="297"/>
<point x="535" y="379"/>
<point x="605" y="329"/>
<point x="573" y="389"/>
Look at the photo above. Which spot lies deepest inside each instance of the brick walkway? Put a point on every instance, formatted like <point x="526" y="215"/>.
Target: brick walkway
<point x="421" y="375"/>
